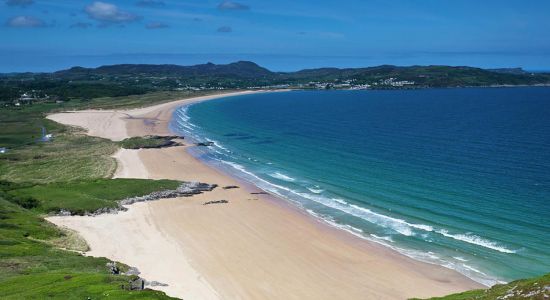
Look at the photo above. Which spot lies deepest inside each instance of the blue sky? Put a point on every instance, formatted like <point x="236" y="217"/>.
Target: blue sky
<point x="283" y="35"/>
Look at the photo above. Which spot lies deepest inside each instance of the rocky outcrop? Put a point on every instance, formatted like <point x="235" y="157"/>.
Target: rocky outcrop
<point x="186" y="189"/>
<point x="229" y="187"/>
<point x="216" y="202"/>
<point x="135" y="282"/>
<point x="154" y="283"/>
<point x="205" y="144"/>
<point x="113" y="268"/>
<point x="132" y="271"/>
<point x="151" y="141"/>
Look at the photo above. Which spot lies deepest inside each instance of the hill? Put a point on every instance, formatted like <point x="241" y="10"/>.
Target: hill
<point x="138" y="79"/>
<point x="240" y="69"/>
<point x="422" y="76"/>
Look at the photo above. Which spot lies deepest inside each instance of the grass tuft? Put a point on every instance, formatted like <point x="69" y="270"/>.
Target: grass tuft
<point x="151" y="141"/>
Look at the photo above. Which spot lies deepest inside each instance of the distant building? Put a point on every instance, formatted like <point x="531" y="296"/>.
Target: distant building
<point x="25" y="98"/>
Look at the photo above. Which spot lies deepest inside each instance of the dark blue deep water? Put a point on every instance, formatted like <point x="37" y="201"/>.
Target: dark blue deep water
<point x="457" y="177"/>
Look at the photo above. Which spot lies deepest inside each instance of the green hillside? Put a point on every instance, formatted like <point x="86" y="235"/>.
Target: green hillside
<point x="533" y="288"/>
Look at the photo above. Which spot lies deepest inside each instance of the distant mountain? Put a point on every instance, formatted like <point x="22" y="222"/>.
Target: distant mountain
<point x="425" y="76"/>
<point x="240" y="69"/>
<point x="246" y="73"/>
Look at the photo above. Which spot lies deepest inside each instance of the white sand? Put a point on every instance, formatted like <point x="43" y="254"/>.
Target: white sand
<point x="129" y="165"/>
<point x="114" y="236"/>
<point x="106" y="124"/>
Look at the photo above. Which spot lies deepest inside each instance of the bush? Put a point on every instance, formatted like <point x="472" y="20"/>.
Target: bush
<point x="27" y="202"/>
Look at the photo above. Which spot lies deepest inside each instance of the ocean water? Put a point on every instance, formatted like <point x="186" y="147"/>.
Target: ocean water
<point x="456" y="177"/>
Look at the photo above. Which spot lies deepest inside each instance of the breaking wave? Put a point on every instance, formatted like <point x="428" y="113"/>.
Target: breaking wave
<point x="476" y="240"/>
<point x="282" y="176"/>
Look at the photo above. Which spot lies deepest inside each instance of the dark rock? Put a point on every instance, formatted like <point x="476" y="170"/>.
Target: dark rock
<point x="230" y="187"/>
<point x="155" y="283"/>
<point x="216" y="202"/>
<point x="137" y="284"/>
<point x="205" y="144"/>
<point x="259" y="193"/>
<point x="63" y="213"/>
<point x="113" y="268"/>
<point x="132" y="271"/>
<point x="107" y="210"/>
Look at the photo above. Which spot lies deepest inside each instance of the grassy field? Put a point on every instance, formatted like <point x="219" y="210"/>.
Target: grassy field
<point x="23" y="126"/>
<point x="68" y="172"/>
<point x="83" y="196"/>
<point x="134" y="101"/>
<point x="32" y="268"/>
<point x="68" y="156"/>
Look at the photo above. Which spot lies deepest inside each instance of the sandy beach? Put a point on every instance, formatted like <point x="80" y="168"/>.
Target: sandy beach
<point x="254" y="247"/>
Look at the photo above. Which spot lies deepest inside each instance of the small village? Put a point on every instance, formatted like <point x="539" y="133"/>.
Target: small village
<point x="33" y="96"/>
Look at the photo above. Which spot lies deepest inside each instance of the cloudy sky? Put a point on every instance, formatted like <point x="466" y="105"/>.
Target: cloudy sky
<point x="45" y="35"/>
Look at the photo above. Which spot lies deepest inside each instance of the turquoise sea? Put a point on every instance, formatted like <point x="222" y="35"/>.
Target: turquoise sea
<point x="456" y="177"/>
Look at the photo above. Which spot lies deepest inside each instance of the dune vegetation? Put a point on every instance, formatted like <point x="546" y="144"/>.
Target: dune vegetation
<point x="68" y="172"/>
<point x="532" y="288"/>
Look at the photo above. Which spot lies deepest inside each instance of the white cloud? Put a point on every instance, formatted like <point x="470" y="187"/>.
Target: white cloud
<point x="25" y="22"/>
<point x="109" y="13"/>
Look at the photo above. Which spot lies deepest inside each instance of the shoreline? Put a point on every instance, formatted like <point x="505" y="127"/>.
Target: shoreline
<point x="288" y="203"/>
<point x="256" y="245"/>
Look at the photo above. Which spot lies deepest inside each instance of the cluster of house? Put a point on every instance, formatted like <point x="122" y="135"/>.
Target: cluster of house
<point x="200" y="88"/>
<point x="351" y="84"/>
<point x="394" y="82"/>
<point x="29" y="98"/>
